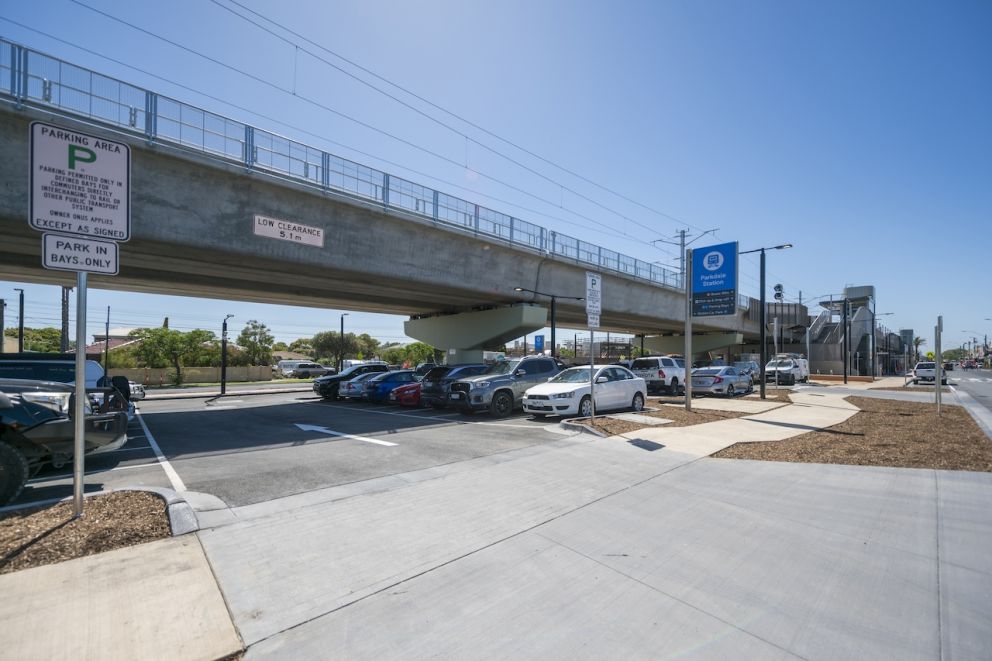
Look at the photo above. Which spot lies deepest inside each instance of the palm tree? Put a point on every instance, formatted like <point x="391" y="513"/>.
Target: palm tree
<point x="917" y="342"/>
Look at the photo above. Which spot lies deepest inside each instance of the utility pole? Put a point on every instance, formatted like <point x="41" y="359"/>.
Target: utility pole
<point x="682" y="243"/>
<point x="20" y="321"/>
<point x="223" y="353"/>
<point x="845" y="345"/>
<point x="106" y="342"/>
<point x="3" y="305"/>
<point x="64" y="340"/>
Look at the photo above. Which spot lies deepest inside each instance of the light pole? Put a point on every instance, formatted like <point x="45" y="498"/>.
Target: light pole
<point x="764" y="331"/>
<point x="341" y="352"/>
<point x="554" y="298"/>
<point x="20" y="321"/>
<point x="223" y="353"/>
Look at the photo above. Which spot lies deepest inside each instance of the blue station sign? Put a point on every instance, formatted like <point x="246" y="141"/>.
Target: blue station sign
<point x="714" y="280"/>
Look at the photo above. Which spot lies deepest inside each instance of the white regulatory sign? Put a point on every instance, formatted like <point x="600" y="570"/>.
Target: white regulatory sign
<point x="72" y="253"/>
<point x="594" y="294"/>
<point x="287" y="230"/>
<point x="80" y="184"/>
<point x="592" y="320"/>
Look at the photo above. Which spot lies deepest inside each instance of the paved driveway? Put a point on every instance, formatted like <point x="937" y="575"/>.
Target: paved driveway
<point x="256" y="448"/>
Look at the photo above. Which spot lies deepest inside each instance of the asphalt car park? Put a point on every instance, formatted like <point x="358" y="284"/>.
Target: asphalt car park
<point x="249" y="449"/>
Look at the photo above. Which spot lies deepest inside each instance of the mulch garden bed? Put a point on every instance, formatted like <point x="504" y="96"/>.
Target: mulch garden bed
<point x="885" y="433"/>
<point x="46" y="535"/>
<point x="677" y="414"/>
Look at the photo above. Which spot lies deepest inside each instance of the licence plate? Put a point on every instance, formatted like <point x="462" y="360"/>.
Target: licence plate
<point x="456" y="395"/>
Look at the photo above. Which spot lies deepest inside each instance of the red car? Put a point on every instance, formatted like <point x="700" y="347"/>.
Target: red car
<point x="406" y="395"/>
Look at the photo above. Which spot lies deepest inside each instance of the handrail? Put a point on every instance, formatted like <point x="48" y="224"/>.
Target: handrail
<point x="37" y="78"/>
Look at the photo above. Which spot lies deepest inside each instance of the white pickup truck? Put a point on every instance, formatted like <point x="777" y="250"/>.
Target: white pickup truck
<point x="927" y="372"/>
<point x="660" y="373"/>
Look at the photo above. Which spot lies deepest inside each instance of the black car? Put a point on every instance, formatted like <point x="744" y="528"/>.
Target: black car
<point x="36" y="429"/>
<point x="436" y="383"/>
<point x="327" y="386"/>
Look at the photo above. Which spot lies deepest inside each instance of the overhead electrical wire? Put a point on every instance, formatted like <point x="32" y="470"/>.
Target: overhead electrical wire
<point x="364" y="124"/>
<point x="609" y="231"/>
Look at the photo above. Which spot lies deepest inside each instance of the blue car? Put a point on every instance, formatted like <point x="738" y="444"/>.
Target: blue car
<point x="377" y="388"/>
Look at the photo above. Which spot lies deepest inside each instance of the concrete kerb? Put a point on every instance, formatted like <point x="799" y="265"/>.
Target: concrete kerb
<point x="182" y="516"/>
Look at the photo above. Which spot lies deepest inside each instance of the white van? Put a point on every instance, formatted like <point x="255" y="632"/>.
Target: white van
<point x="286" y="367"/>
<point x="787" y="370"/>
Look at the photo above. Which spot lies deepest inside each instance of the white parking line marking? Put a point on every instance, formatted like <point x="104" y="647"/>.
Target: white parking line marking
<point x="65" y="476"/>
<point x="443" y="416"/>
<point x="331" y="432"/>
<point x="170" y="472"/>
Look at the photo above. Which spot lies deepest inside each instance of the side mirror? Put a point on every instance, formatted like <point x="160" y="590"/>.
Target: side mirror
<point x="602" y="379"/>
<point x="520" y="372"/>
<point x="5" y="402"/>
<point x="122" y="385"/>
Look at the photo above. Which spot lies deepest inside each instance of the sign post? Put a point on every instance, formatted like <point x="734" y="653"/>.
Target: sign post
<point x="80" y="196"/>
<point x="594" y="307"/>
<point x="712" y="292"/>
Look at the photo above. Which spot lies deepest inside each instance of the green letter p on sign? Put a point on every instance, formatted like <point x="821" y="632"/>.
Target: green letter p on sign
<point x="81" y="155"/>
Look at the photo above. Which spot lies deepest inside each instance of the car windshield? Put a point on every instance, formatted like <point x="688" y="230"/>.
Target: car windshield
<point x="925" y="366"/>
<point x="436" y="373"/>
<point x="780" y="363"/>
<point x="572" y="375"/>
<point x="503" y="367"/>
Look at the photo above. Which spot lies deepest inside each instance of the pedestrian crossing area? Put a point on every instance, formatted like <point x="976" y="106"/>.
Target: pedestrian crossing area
<point x="977" y="380"/>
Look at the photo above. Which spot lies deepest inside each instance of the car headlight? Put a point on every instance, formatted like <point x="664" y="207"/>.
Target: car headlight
<point x="56" y="401"/>
<point x="563" y="395"/>
<point x="480" y="384"/>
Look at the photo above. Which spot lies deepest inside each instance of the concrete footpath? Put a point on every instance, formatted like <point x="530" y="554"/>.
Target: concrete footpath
<point x="634" y="547"/>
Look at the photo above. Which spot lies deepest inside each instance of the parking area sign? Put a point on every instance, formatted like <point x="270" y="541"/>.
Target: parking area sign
<point x="80" y="184"/>
<point x="714" y="280"/>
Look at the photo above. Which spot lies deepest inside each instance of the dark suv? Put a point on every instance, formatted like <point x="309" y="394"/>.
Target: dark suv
<point x="327" y="386"/>
<point x="435" y="385"/>
<point x="500" y="389"/>
<point x="36" y="428"/>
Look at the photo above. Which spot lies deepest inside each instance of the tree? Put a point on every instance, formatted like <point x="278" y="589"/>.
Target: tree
<point x="366" y="345"/>
<point x="256" y="340"/>
<point x="48" y="340"/>
<point x="303" y="345"/>
<point x="327" y="345"/>
<point x="418" y="352"/>
<point x="280" y="346"/>
<point x="163" y="347"/>
<point x="917" y="343"/>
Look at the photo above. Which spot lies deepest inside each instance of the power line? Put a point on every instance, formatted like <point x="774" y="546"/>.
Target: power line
<point x="366" y="124"/>
<point x="442" y="109"/>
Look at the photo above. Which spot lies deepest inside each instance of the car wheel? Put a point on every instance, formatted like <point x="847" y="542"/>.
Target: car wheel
<point x="13" y="473"/>
<point x="730" y="390"/>
<point x="539" y="416"/>
<point x="750" y="387"/>
<point x="637" y="404"/>
<point x="585" y="407"/>
<point x="674" y="388"/>
<point x="502" y="405"/>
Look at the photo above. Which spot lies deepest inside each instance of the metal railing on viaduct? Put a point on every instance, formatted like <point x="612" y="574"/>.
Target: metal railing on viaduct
<point x="37" y="78"/>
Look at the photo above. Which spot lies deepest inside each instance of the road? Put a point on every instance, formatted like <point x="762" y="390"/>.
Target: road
<point x="251" y="449"/>
<point x="977" y="383"/>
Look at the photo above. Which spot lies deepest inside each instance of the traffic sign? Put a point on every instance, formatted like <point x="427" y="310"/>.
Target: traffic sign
<point x="80" y="184"/>
<point x="714" y="280"/>
<point x="593" y="320"/>
<point x="538" y="344"/>
<point x="594" y="293"/>
<point x="72" y="253"/>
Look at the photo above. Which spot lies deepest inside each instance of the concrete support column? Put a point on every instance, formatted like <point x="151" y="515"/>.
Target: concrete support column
<point x="465" y="336"/>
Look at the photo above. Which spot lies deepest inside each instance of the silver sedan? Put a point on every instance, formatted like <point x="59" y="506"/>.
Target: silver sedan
<point x="727" y="381"/>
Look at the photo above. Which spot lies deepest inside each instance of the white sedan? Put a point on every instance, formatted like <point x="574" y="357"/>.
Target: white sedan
<point x="567" y="393"/>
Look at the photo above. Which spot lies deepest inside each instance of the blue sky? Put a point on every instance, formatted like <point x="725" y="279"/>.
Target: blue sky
<point x="858" y="131"/>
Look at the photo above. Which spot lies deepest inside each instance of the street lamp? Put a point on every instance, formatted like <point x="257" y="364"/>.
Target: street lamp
<point x="20" y="321"/>
<point x="554" y="298"/>
<point x="341" y="352"/>
<point x="223" y="355"/>
<point x="764" y="336"/>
